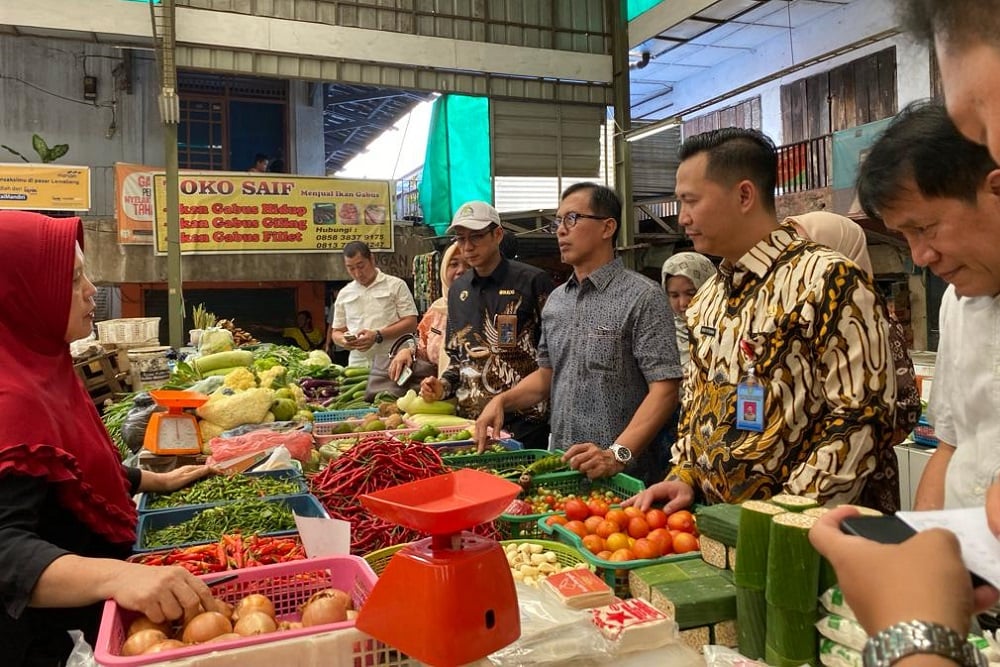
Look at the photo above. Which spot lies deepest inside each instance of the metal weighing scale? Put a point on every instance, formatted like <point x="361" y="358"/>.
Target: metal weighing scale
<point x="174" y="432"/>
<point x="448" y="599"/>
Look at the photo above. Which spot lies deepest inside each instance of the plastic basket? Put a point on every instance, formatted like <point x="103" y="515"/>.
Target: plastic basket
<point x="923" y="434"/>
<point x="499" y="461"/>
<point x="341" y="415"/>
<point x="526" y="526"/>
<point x="615" y="573"/>
<point x="565" y="555"/>
<point x="288" y="585"/>
<point x="129" y="330"/>
<point x="288" y="474"/>
<point x="303" y="505"/>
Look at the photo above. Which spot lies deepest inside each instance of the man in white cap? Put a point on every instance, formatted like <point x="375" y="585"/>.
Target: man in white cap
<point x="494" y="324"/>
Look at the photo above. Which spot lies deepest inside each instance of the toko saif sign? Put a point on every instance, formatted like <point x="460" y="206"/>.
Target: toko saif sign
<point x="265" y="213"/>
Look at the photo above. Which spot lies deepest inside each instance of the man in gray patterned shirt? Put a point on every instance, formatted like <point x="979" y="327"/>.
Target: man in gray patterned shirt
<point x="608" y="357"/>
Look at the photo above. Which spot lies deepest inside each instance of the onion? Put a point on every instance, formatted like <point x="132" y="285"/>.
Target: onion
<point x="206" y="625"/>
<point x="222" y="607"/>
<point x="254" y="602"/>
<point x="334" y="593"/>
<point x="255" y="623"/>
<point x="289" y="625"/>
<point x="140" y="641"/>
<point x="143" y="623"/>
<point x="324" y="610"/>
<point x="165" y="645"/>
<point x="229" y="636"/>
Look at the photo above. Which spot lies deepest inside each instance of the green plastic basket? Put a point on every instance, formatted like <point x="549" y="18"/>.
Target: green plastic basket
<point x="565" y="555"/>
<point x="496" y="461"/>
<point x="615" y="573"/>
<point x="527" y="525"/>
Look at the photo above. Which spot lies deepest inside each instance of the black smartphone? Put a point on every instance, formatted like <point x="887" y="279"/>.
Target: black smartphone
<point x="888" y="530"/>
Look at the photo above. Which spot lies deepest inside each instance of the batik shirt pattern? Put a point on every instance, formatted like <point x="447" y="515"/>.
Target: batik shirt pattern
<point x="820" y="349"/>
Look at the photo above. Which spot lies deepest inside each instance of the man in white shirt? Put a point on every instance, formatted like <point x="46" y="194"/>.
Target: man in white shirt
<point x="942" y="192"/>
<point x="373" y="310"/>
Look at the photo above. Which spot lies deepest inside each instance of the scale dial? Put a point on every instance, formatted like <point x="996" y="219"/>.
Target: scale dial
<point x="177" y="432"/>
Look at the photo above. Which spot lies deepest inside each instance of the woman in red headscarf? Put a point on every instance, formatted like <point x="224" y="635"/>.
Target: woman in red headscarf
<point x="66" y="515"/>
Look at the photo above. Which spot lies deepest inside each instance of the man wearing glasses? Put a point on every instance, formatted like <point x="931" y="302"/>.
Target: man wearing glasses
<point x="608" y="356"/>
<point x="494" y="324"/>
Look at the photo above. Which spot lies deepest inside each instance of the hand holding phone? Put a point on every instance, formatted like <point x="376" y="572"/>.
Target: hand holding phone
<point x="404" y="375"/>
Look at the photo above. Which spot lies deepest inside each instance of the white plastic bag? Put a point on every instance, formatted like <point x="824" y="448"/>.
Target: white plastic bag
<point x="82" y="655"/>
<point x="280" y="459"/>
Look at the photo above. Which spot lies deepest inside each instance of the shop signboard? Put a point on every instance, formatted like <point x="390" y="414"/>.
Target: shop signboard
<point x="44" y="187"/>
<point x="274" y="213"/>
<point x="134" y="202"/>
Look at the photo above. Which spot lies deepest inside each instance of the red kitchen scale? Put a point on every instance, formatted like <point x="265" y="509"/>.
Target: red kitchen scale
<point x="174" y="432"/>
<point x="448" y="599"/>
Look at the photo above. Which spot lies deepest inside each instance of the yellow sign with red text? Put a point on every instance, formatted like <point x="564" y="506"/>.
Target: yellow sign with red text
<point x="274" y="213"/>
<point x="44" y="187"/>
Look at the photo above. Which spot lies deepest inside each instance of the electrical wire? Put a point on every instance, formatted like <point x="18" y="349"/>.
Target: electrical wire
<point x="402" y="143"/>
<point x="105" y="105"/>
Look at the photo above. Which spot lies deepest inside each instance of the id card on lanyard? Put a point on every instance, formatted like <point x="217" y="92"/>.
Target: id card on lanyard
<point x="750" y="395"/>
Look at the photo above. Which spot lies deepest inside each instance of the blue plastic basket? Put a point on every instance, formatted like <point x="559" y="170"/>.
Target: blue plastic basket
<point x="289" y="474"/>
<point x="341" y="415"/>
<point x="923" y="434"/>
<point x="303" y="505"/>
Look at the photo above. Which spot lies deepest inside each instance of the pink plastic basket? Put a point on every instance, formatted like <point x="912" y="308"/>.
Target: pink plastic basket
<point x="288" y="585"/>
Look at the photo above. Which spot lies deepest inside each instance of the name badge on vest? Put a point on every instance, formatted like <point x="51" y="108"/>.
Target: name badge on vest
<point x="750" y="395"/>
<point x="506" y="330"/>
<point x="708" y="331"/>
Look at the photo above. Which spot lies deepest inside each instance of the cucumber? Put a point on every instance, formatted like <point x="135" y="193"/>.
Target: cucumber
<point x="230" y="359"/>
<point x="356" y="371"/>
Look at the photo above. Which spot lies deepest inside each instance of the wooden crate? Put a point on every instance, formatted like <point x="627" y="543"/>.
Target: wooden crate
<point x="101" y="377"/>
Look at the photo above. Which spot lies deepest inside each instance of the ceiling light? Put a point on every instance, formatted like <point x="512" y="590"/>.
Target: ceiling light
<point x="652" y="128"/>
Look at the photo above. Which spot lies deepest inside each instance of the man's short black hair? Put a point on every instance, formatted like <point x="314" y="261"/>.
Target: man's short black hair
<point x="307" y="314"/>
<point x="955" y="21"/>
<point x="355" y="248"/>
<point x="604" y="202"/>
<point x="736" y="154"/>
<point x="921" y="148"/>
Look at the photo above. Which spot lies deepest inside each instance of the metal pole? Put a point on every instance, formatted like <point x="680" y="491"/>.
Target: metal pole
<point x="618" y="13"/>
<point x="175" y="294"/>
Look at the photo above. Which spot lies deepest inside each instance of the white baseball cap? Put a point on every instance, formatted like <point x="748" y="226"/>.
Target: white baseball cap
<point x="474" y="215"/>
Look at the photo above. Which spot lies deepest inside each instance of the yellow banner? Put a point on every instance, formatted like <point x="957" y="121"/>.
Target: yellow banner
<point x="47" y="187"/>
<point x="274" y="213"/>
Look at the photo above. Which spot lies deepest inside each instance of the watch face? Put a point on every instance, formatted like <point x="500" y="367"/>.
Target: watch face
<point x="622" y="453"/>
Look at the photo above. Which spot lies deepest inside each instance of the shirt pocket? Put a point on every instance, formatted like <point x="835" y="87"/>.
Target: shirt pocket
<point x="604" y="351"/>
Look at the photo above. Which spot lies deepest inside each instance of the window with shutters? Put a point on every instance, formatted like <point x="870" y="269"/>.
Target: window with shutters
<point x="745" y="114"/>
<point x="855" y="93"/>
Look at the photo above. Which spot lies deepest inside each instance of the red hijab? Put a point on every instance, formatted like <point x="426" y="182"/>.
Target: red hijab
<point x="49" y="427"/>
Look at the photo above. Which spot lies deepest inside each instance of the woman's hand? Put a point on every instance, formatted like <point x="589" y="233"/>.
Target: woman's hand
<point x="178" y="478"/>
<point x="677" y="496"/>
<point x="161" y="593"/>
<point x="403" y="359"/>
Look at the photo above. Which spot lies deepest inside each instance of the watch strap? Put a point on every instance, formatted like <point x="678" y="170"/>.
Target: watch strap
<point x="911" y="637"/>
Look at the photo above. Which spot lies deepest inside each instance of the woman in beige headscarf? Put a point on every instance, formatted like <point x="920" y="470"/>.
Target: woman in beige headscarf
<point x="682" y="276"/>
<point x="837" y="232"/>
<point x="428" y="344"/>
<point x="848" y="238"/>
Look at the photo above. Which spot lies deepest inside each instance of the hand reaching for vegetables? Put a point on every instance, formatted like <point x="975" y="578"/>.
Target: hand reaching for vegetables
<point x="592" y="461"/>
<point x="431" y="389"/>
<point x="178" y="478"/>
<point x="490" y="421"/>
<point x="677" y="495"/>
<point x="161" y="593"/>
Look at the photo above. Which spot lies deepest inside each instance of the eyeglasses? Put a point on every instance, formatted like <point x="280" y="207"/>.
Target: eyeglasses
<point x="569" y="220"/>
<point x="475" y="238"/>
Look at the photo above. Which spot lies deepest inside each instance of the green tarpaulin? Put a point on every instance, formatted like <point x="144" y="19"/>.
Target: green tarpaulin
<point x="457" y="164"/>
<point x="636" y="7"/>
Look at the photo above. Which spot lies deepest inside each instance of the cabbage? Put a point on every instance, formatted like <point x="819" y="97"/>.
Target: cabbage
<point x="319" y="359"/>
<point x="215" y="340"/>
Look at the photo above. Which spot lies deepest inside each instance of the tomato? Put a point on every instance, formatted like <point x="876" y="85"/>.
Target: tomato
<point x="605" y="527"/>
<point x="622" y="555"/>
<point x="618" y="516"/>
<point x="597" y="507"/>
<point x="576" y="510"/>
<point x="681" y="520"/>
<point x="556" y="519"/>
<point x="592" y="522"/>
<point x="616" y="541"/>
<point x="633" y="512"/>
<point x="550" y="500"/>
<point x="604" y="555"/>
<point x="661" y="537"/>
<point x="656" y="519"/>
<point x="637" y="527"/>
<point x="685" y="542"/>
<point x="644" y="548"/>
<point x="593" y="543"/>
<point x="576" y="527"/>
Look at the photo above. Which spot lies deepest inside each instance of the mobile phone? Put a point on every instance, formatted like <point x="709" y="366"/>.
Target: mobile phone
<point x="888" y="530"/>
<point x="349" y="337"/>
<point x="404" y="375"/>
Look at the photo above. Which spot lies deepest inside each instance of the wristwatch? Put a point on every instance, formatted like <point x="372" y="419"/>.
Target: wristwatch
<point x="378" y="336"/>
<point x="910" y="637"/>
<point x="622" y="453"/>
